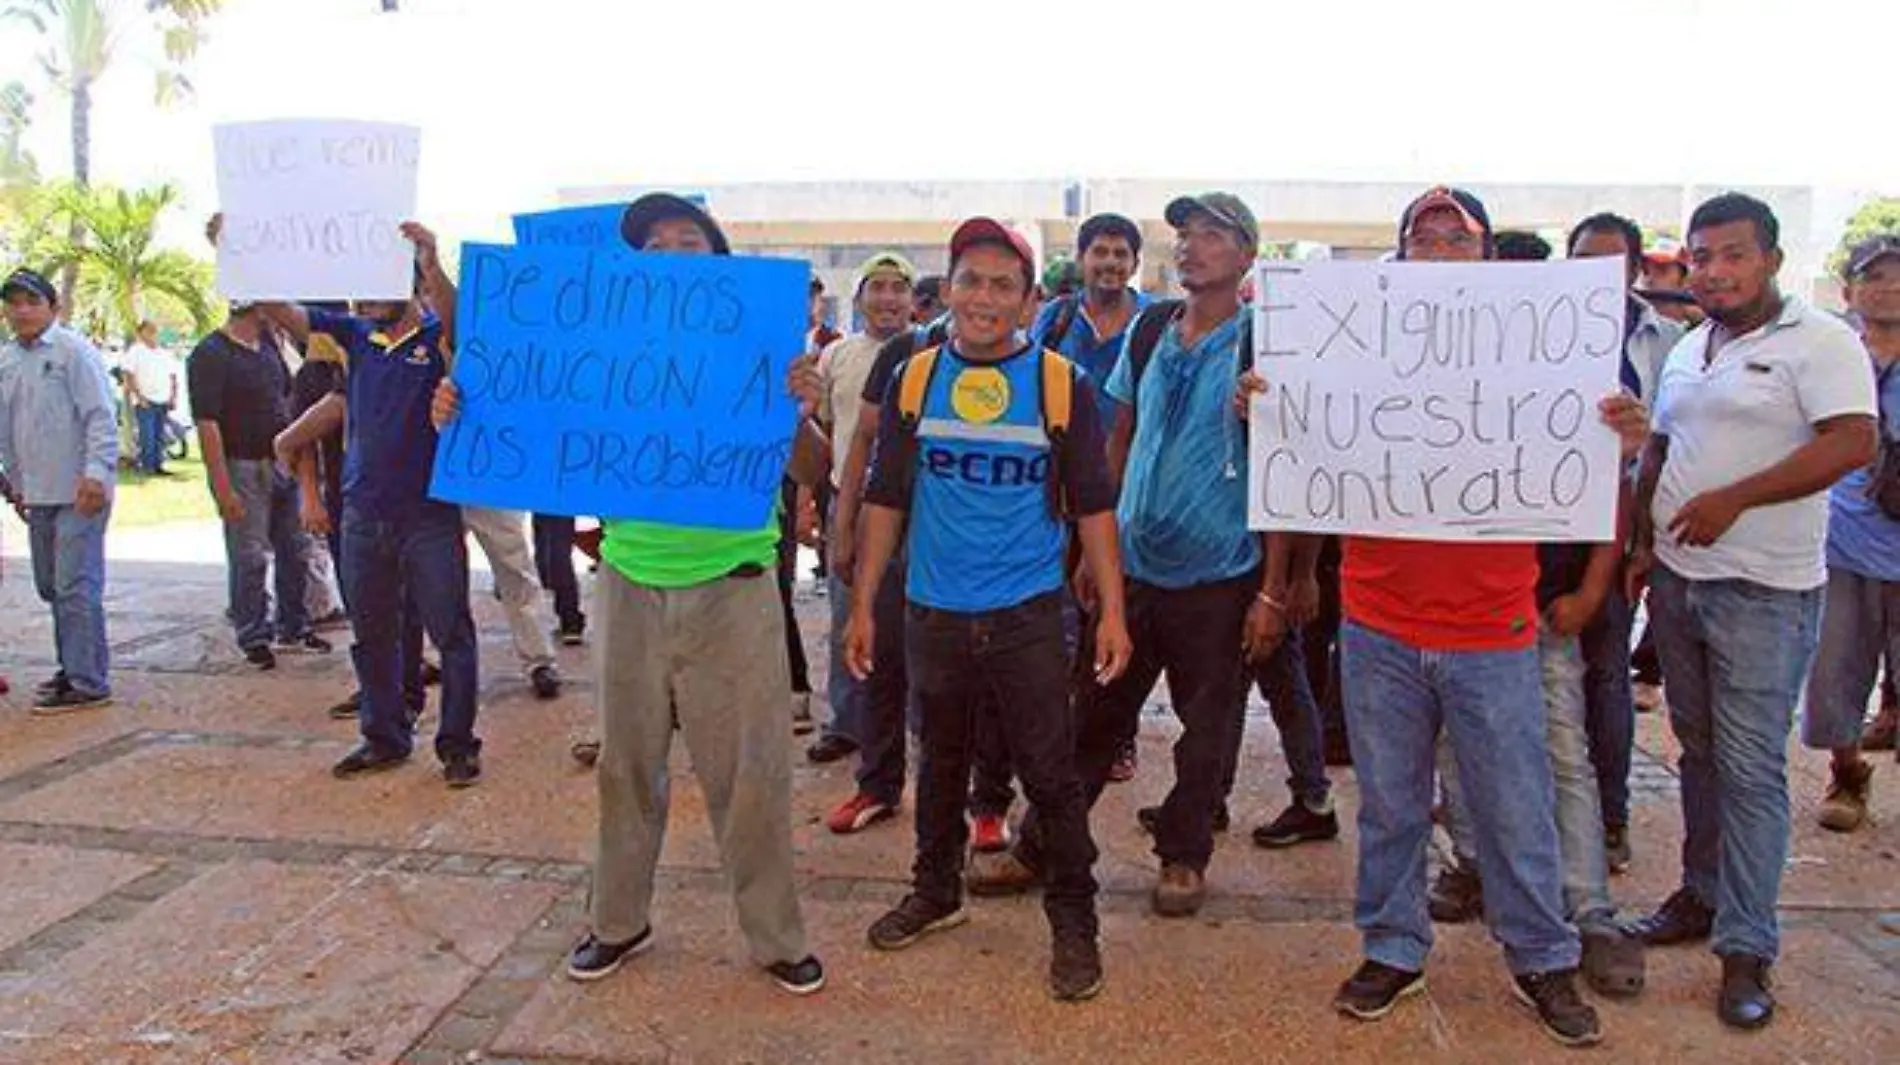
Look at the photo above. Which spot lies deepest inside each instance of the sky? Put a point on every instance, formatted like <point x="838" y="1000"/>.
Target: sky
<point x="518" y="100"/>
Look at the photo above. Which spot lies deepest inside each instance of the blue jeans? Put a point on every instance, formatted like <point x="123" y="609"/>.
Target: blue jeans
<point x="1610" y="704"/>
<point x="1734" y="654"/>
<point x="419" y="562"/>
<point x="151" y="425"/>
<point x="69" y="572"/>
<point x="269" y="540"/>
<point x="1490" y="703"/>
<point x="1586" y="869"/>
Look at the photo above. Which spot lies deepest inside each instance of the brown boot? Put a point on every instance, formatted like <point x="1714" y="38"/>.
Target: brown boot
<point x="1845" y="808"/>
<point x="1179" y="892"/>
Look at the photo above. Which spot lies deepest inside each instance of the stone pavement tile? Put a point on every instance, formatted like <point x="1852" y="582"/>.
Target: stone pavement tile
<point x="49" y="884"/>
<point x="27" y="742"/>
<point x="1236" y="992"/>
<point x="261" y="963"/>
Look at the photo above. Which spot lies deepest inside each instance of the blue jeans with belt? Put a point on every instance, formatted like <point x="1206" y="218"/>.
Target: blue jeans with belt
<point x="69" y="572"/>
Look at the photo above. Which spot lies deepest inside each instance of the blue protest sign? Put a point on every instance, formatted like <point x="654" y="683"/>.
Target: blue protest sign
<point x="623" y="385"/>
<point x="593" y="226"/>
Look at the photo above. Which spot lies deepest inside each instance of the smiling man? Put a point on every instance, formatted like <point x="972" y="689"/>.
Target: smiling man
<point x="1759" y="411"/>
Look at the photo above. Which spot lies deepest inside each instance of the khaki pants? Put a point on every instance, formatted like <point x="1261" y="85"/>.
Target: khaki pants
<point x="711" y="657"/>
<point x="503" y="538"/>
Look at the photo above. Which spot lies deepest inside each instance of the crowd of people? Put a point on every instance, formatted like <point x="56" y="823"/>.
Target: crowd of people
<point x="1031" y="494"/>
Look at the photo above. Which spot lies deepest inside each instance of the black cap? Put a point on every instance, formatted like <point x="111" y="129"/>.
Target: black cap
<point x="1108" y="224"/>
<point x="1868" y="252"/>
<point x="24" y="280"/>
<point x="643" y="213"/>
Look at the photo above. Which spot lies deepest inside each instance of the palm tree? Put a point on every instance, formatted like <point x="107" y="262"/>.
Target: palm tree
<point x="120" y="274"/>
<point x="83" y="40"/>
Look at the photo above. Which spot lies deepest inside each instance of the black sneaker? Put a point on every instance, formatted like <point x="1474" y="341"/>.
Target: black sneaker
<point x="307" y="644"/>
<point x="805" y="977"/>
<point x="1075" y="968"/>
<point x="594" y="959"/>
<point x="830" y="749"/>
<point x="53" y="685"/>
<point x="1682" y="918"/>
<point x="261" y="657"/>
<point x="1456" y="896"/>
<point x="346" y="710"/>
<point x="914" y="918"/>
<point x="572" y="634"/>
<point x="1565" y="1016"/>
<point x="1149" y="818"/>
<point x="1374" y="990"/>
<point x="1299" y="824"/>
<point x="67" y="700"/>
<point x="1613" y="962"/>
<point x="366" y="759"/>
<point x="545" y="681"/>
<point x="462" y="769"/>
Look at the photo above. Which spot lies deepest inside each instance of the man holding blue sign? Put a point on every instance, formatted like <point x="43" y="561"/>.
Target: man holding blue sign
<point x="689" y="626"/>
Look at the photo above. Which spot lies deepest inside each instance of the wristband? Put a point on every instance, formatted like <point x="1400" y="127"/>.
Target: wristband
<point x="1272" y="604"/>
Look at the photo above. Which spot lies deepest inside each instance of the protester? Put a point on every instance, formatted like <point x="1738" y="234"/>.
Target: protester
<point x="151" y="376"/>
<point x="926" y="300"/>
<point x="1860" y="619"/>
<point x="240" y="399"/>
<point x="59" y="450"/>
<point x="1759" y="410"/>
<point x="320" y="486"/>
<point x="683" y="615"/>
<point x="554" y="565"/>
<point x="503" y="537"/>
<point x="1610" y="710"/>
<point x="986" y="446"/>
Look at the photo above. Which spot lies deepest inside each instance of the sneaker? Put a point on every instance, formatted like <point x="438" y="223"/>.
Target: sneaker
<point x="1075" y="968"/>
<point x="830" y="749"/>
<point x="1149" y="818"/>
<point x="1566" y="1017"/>
<point x="586" y="752"/>
<point x="1747" y="1000"/>
<point x="366" y="759"/>
<point x="1613" y="962"/>
<point x="261" y="657"/>
<point x="994" y="875"/>
<point x="462" y="769"/>
<point x="1682" y="918"/>
<point x="1375" y="989"/>
<point x="989" y="833"/>
<point x="545" y="681"/>
<point x="572" y="633"/>
<point x="1616" y="848"/>
<point x="858" y="813"/>
<point x="346" y="710"/>
<point x="1126" y="764"/>
<point x="594" y="959"/>
<point x="913" y="919"/>
<point x="1457" y="895"/>
<point x="805" y="977"/>
<point x="335" y="619"/>
<point x="69" y="700"/>
<point x="53" y="684"/>
<point x="802" y="723"/>
<point x="307" y="644"/>
<point x="1300" y="823"/>
<point x="1178" y="892"/>
<point x="1845" y="808"/>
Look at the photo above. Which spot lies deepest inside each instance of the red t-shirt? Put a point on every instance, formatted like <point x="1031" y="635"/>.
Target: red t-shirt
<point x="1442" y="596"/>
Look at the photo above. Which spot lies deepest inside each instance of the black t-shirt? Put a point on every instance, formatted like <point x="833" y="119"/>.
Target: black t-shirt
<point x="316" y="379"/>
<point x="247" y="393"/>
<point x="895" y="351"/>
<point x="1560" y="570"/>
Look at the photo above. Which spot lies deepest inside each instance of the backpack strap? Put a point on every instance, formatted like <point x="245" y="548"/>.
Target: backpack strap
<point x="1144" y="336"/>
<point x="913" y="389"/>
<point x="1059" y="326"/>
<point x="1058" y="404"/>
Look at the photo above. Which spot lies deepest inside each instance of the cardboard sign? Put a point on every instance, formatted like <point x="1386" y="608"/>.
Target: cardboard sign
<point x="1437" y="401"/>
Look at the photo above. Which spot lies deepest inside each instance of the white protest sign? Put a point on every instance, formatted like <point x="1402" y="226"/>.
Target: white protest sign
<point x="1436" y="401"/>
<point x="312" y="209"/>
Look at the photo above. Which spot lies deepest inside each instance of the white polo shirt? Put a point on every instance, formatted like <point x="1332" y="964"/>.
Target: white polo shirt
<point x="1754" y="406"/>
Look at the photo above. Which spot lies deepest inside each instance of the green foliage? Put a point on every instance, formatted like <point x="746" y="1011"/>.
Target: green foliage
<point x="1876" y="217"/>
<point x="123" y="276"/>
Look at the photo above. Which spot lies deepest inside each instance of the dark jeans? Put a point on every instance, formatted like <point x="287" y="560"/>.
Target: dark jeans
<point x="554" y="564"/>
<point x="1609" y="705"/>
<point x="885" y="695"/>
<point x="1321" y="647"/>
<point x="787" y="567"/>
<point x="991" y="791"/>
<point x="415" y="567"/>
<point x="1283" y="684"/>
<point x="1193" y="635"/>
<point x="1016" y="658"/>
<point x="414" y="693"/>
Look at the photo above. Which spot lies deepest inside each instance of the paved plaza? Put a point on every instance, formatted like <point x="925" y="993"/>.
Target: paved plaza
<point x="184" y="882"/>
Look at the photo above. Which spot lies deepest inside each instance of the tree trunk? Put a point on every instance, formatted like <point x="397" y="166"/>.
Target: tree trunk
<point x="82" y="177"/>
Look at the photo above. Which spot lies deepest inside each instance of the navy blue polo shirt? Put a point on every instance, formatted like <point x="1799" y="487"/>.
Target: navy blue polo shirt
<point x="391" y="448"/>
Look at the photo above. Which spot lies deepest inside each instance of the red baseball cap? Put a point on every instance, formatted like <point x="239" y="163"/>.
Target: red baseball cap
<point x="989" y="231"/>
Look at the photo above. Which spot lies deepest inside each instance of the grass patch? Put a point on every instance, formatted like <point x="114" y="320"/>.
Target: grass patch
<point x="146" y="500"/>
